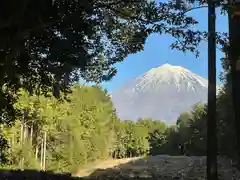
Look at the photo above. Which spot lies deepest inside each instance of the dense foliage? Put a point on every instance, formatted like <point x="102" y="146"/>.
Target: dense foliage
<point x="62" y="135"/>
<point x="63" y="41"/>
<point x="65" y="134"/>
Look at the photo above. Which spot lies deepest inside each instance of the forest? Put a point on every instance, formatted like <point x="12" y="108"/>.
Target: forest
<point x="65" y="134"/>
<point x="51" y="122"/>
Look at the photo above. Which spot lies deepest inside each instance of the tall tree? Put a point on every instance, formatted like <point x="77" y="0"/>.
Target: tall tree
<point x="233" y="55"/>
<point x="212" y="173"/>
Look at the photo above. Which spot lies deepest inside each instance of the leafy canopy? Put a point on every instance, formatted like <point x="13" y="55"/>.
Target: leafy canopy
<point x="45" y="44"/>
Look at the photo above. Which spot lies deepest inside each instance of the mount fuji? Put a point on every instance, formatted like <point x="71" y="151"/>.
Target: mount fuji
<point x="161" y="94"/>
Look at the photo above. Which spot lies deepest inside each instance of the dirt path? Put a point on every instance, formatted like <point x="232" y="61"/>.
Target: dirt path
<point x="111" y="163"/>
<point x="162" y="167"/>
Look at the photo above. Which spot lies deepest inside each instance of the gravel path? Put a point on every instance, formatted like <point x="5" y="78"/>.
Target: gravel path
<point x="165" y="167"/>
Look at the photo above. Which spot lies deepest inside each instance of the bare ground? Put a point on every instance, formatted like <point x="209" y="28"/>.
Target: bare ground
<point x="161" y="167"/>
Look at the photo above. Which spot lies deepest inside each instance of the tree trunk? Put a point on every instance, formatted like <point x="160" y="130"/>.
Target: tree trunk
<point x="44" y="152"/>
<point x="36" y="152"/>
<point x="21" y="143"/>
<point x="212" y="173"/>
<point x="21" y="134"/>
<point x="13" y="139"/>
<point x="234" y="55"/>
<point x="12" y="142"/>
<point x="25" y="133"/>
<point x="56" y="87"/>
<point x="41" y="159"/>
<point x="24" y="140"/>
<point x="31" y="135"/>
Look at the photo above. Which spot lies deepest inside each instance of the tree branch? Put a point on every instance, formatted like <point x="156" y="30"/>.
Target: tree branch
<point x="194" y="8"/>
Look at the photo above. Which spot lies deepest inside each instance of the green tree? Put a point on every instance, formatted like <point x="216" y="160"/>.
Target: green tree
<point x="62" y="135"/>
<point x="157" y="141"/>
<point x="198" y="132"/>
<point x="183" y="124"/>
<point x="64" y="41"/>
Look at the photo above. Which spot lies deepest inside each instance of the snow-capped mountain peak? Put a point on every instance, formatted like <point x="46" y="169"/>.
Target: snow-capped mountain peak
<point x="162" y="93"/>
<point x="168" y="67"/>
<point x="168" y="74"/>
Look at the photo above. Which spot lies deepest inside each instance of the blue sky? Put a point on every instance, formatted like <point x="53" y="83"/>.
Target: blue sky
<point x="157" y="52"/>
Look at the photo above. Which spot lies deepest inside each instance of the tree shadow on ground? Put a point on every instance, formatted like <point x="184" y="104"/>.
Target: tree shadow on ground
<point x="6" y="174"/>
<point x="164" y="167"/>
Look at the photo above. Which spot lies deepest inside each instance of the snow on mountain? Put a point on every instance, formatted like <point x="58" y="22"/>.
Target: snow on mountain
<point x="162" y="94"/>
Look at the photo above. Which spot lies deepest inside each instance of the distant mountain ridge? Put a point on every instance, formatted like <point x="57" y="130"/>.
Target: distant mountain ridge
<point x="161" y="93"/>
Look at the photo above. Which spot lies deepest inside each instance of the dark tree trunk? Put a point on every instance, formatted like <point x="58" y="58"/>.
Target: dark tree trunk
<point x="56" y="87"/>
<point x="212" y="173"/>
<point x="234" y="57"/>
<point x="56" y="90"/>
